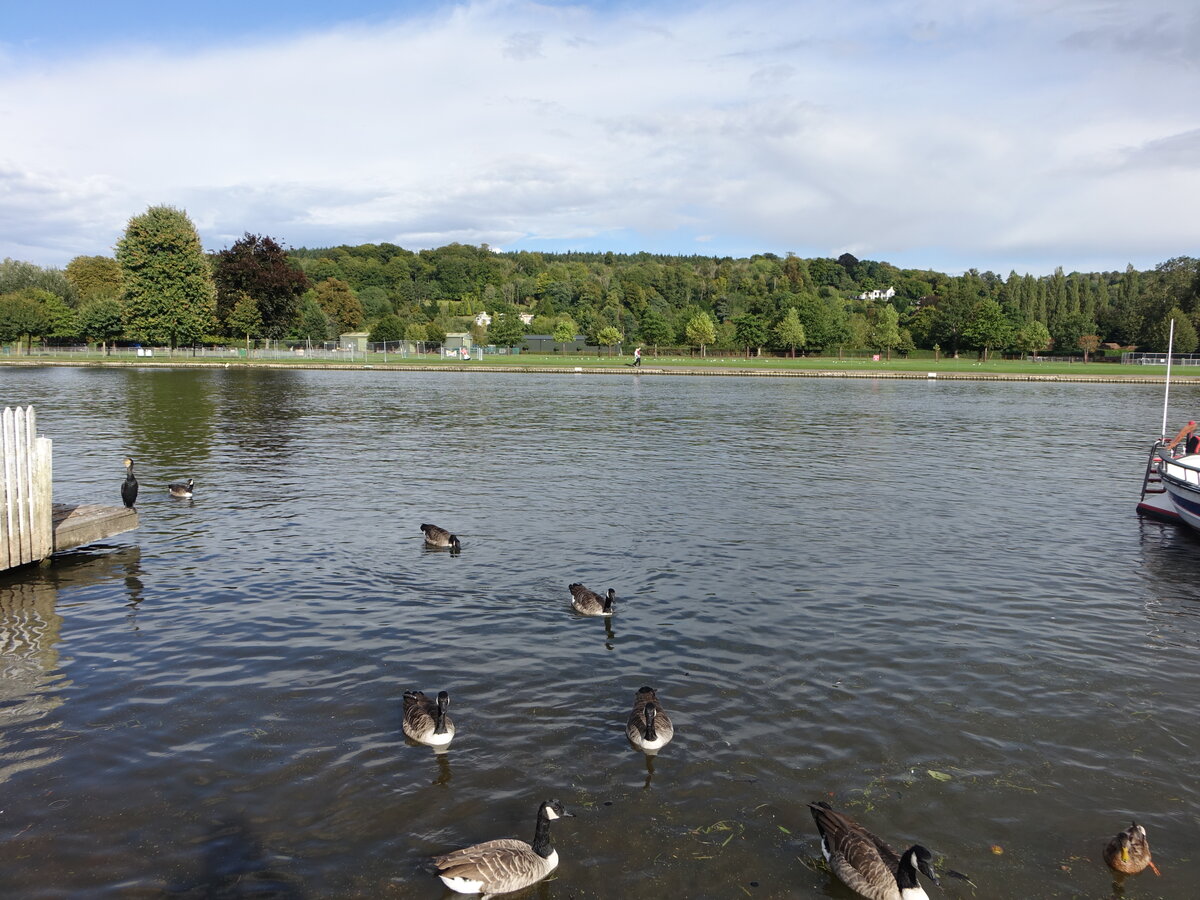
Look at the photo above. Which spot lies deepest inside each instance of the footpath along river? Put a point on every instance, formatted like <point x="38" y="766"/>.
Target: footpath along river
<point x="930" y="603"/>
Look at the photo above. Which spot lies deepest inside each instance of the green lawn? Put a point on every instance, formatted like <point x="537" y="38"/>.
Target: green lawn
<point x="530" y="360"/>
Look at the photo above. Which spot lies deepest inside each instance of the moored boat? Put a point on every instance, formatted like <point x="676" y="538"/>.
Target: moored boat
<point x="1181" y="480"/>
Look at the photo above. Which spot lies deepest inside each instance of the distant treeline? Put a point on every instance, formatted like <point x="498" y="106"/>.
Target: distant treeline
<point x="258" y="289"/>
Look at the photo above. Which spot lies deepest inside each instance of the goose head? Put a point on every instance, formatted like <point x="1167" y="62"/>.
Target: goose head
<point x="443" y="700"/>
<point x="553" y="809"/>
<point x="915" y="859"/>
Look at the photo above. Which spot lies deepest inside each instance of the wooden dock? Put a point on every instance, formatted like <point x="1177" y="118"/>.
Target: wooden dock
<point x="32" y="527"/>
<point x="86" y="523"/>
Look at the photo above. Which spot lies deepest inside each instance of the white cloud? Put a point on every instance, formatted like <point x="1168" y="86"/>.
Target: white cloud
<point x="925" y="132"/>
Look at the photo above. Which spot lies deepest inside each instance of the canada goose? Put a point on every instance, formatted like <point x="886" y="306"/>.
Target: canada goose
<point x="589" y="603"/>
<point x="440" y="537"/>
<point x="496" y="867"/>
<point x="1129" y="852"/>
<point x="425" y="721"/>
<point x="867" y="865"/>
<point x="649" y="727"/>
<point x="129" y="487"/>
<point x="181" y="489"/>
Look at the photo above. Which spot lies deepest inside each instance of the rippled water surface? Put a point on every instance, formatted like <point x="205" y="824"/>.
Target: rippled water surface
<point x="929" y="603"/>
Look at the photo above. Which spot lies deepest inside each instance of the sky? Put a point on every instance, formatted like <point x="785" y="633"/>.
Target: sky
<point x="932" y="134"/>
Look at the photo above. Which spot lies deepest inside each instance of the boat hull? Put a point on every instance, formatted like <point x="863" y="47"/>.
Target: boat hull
<point x="1181" y="478"/>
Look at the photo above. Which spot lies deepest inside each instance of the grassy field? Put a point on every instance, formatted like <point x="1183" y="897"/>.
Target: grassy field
<point x="965" y="365"/>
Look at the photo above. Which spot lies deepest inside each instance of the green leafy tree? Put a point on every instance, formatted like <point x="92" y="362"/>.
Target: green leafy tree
<point x="1032" y="337"/>
<point x="415" y="332"/>
<point x="61" y="318"/>
<point x="245" y="318"/>
<point x="1067" y="330"/>
<point x="954" y="309"/>
<point x="750" y="331"/>
<point x="101" y="320"/>
<point x="169" y="293"/>
<point x="609" y="336"/>
<point x="312" y="324"/>
<point x="22" y="315"/>
<point x="507" y="329"/>
<point x="789" y="331"/>
<point x="884" y="333"/>
<point x="701" y="331"/>
<point x="16" y="276"/>
<point x="654" y="329"/>
<point x="565" y="331"/>
<point x="258" y="266"/>
<point x="375" y="303"/>
<point x="1158" y="335"/>
<point x="95" y="278"/>
<point x="389" y="329"/>
<point x="339" y="304"/>
<point x="435" y="333"/>
<point x="988" y="327"/>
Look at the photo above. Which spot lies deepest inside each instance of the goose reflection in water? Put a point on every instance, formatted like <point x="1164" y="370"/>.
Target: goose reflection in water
<point x="443" y="764"/>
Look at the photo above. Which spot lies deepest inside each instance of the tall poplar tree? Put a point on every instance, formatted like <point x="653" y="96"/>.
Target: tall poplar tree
<point x="169" y="293"/>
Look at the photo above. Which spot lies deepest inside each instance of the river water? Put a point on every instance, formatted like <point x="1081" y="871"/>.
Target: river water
<point x="929" y="603"/>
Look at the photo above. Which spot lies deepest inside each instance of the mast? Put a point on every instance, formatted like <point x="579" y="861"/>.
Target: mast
<point x="1167" y="389"/>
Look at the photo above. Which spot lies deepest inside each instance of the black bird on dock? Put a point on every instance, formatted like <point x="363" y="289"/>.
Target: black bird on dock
<point x="129" y="487"/>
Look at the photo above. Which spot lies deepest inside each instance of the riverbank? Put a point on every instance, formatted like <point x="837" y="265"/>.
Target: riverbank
<point x="948" y="370"/>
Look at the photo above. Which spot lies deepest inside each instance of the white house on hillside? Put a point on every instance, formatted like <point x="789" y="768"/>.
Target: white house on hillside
<point x="878" y="294"/>
<point x="485" y="320"/>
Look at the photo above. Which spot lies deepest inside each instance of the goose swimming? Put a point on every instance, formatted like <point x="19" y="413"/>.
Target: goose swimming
<point x="440" y="537"/>
<point x="866" y="864"/>
<point x="181" y="489"/>
<point x="589" y="603"/>
<point x="425" y="720"/>
<point x="497" y="867"/>
<point x="649" y="727"/>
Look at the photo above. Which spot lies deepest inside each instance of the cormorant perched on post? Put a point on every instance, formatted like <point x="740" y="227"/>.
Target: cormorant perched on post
<point x="129" y="487"/>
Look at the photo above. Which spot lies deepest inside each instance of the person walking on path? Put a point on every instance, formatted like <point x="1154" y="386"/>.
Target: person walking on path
<point x="637" y="356"/>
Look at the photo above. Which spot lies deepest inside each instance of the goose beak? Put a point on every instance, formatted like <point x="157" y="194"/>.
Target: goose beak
<point x="927" y="871"/>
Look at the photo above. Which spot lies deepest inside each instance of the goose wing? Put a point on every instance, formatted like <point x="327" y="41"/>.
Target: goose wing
<point x="497" y="866"/>
<point x="863" y="862"/>
<point x="419" y="714"/>
<point x="585" y="600"/>
<point x="436" y="535"/>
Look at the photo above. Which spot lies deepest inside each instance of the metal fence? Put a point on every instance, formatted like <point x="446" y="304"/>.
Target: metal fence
<point x="1160" y="359"/>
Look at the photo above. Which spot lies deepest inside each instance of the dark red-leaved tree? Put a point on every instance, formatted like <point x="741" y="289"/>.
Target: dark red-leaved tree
<point x="258" y="266"/>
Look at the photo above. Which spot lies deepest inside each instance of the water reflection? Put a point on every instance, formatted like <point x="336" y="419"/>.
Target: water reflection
<point x="170" y="415"/>
<point x="30" y="688"/>
<point x="31" y="685"/>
